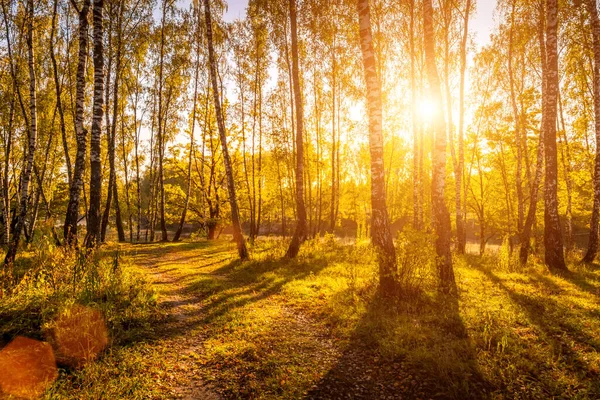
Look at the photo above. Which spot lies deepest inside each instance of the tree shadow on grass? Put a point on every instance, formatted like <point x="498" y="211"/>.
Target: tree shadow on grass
<point x="560" y="335"/>
<point x="233" y="286"/>
<point x="418" y="348"/>
<point x="586" y="277"/>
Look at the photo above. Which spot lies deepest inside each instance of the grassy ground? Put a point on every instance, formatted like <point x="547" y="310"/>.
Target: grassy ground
<point x="313" y="328"/>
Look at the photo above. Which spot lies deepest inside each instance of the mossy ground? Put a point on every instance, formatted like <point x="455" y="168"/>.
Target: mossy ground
<point x="314" y="327"/>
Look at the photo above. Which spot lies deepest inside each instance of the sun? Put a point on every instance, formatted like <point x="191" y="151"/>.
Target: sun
<point x="426" y="108"/>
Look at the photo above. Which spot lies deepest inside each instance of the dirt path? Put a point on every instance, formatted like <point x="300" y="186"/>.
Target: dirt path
<point x="182" y="329"/>
<point x="271" y="349"/>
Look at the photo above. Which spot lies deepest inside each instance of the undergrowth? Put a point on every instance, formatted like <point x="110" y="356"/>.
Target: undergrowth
<point x="49" y="281"/>
<point x="512" y="331"/>
<point x="315" y="327"/>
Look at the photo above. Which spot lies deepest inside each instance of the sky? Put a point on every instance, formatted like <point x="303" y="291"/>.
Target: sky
<point x="483" y="21"/>
<point x="481" y="25"/>
<point x="235" y="9"/>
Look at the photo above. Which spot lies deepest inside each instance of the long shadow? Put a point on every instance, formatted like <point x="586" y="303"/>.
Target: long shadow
<point x="582" y="277"/>
<point x="565" y="338"/>
<point x="245" y="283"/>
<point x="234" y="285"/>
<point x="361" y="371"/>
<point x="445" y="367"/>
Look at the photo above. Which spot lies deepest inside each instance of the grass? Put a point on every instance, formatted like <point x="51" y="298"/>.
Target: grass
<point x="314" y="327"/>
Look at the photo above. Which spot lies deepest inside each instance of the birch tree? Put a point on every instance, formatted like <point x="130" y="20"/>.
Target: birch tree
<point x="380" y="225"/>
<point x="212" y="63"/>
<point x="92" y="238"/>
<point x="441" y="216"/>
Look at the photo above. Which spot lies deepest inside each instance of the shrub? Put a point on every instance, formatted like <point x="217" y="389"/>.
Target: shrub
<point x="59" y="280"/>
<point x="508" y="259"/>
<point x="416" y="260"/>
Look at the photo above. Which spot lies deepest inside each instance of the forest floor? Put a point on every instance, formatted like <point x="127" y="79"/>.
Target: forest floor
<point x="313" y="328"/>
<point x="232" y="332"/>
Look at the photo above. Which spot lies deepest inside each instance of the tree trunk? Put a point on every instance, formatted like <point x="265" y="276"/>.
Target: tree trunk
<point x="118" y="217"/>
<point x="191" y="151"/>
<point x="301" y="227"/>
<point x="516" y="116"/>
<point x="72" y="216"/>
<point x="567" y="171"/>
<point x="380" y="226"/>
<point x="594" y="239"/>
<point x="235" y="215"/>
<point x="138" y="188"/>
<point x="533" y="197"/>
<point x="553" y="241"/>
<point x="28" y="157"/>
<point x="441" y="216"/>
<point x="112" y="138"/>
<point x="413" y="111"/>
<point x="59" y="107"/>
<point x="461" y="233"/>
<point x="332" y="216"/>
<point x="92" y="238"/>
<point x="160" y="136"/>
<point x="127" y="181"/>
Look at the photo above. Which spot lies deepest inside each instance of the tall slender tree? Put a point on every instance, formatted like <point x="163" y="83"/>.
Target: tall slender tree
<point x="191" y="154"/>
<point x="72" y="216"/>
<point x="58" y="89"/>
<point x="517" y="122"/>
<point x="29" y="155"/>
<point x="160" y="121"/>
<point x="441" y="216"/>
<point x="380" y="225"/>
<point x="301" y="224"/>
<point x="212" y="63"/>
<point x="539" y="171"/>
<point x="461" y="232"/>
<point x="112" y="198"/>
<point x="594" y="240"/>
<point x="553" y="241"/>
<point x="92" y="238"/>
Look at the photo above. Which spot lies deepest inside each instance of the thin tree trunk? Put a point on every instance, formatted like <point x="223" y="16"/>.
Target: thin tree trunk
<point x="539" y="172"/>
<point x="301" y="226"/>
<point x="127" y="181"/>
<point x="161" y="144"/>
<point x="58" y="89"/>
<point x="380" y="225"/>
<point x="29" y="156"/>
<point x="594" y="239"/>
<point x="441" y="216"/>
<point x="4" y="191"/>
<point x="92" y="238"/>
<point x="235" y="215"/>
<point x="137" y="170"/>
<point x="118" y="216"/>
<point x="110" y="140"/>
<point x="516" y="116"/>
<point x="553" y="241"/>
<point x="72" y="216"/>
<point x="191" y="151"/>
<point x="461" y="195"/>
<point x="567" y="170"/>
<point x="413" y="112"/>
<point x="332" y="216"/>
<point x="260" y="145"/>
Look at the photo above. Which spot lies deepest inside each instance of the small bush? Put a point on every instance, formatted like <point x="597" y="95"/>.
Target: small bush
<point x="416" y="257"/>
<point x="60" y="279"/>
<point x="508" y="260"/>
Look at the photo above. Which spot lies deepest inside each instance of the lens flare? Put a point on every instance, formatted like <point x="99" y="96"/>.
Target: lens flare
<point x="27" y="368"/>
<point x="78" y="335"/>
